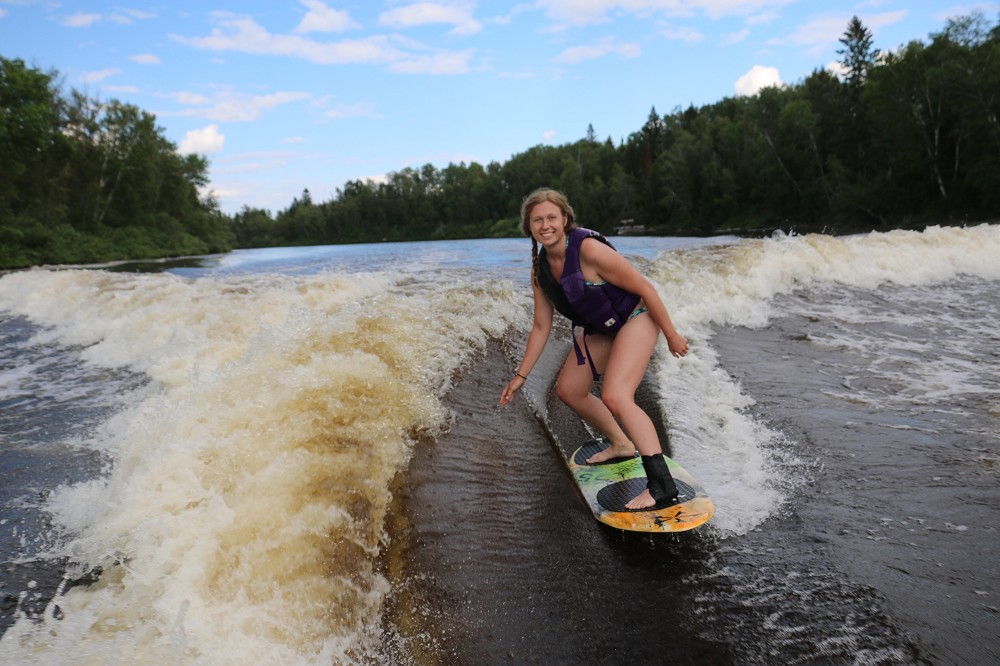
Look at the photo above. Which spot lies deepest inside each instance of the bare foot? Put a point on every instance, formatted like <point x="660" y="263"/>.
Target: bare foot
<point x="625" y="450"/>
<point x="641" y="501"/>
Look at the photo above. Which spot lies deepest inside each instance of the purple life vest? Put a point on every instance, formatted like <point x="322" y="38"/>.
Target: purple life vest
<point x="598" y="308"/>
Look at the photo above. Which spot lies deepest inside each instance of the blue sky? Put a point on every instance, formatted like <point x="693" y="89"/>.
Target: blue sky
<point x="295" y="94"/>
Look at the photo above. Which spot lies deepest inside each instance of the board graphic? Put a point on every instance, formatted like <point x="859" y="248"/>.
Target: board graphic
<point x="608" y="486"/>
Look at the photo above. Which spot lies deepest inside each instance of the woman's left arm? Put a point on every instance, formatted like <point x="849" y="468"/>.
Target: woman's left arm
<point x="616" y="269"/>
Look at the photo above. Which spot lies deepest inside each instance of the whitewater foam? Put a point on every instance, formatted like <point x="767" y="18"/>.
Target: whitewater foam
<point x="242" y="516"/>
<point x="712" y="431"/>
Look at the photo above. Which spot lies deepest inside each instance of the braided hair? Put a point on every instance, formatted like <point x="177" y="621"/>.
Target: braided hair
<point x="542" y="195"/>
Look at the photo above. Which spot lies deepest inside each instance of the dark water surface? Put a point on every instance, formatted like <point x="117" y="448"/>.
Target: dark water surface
<point x="905" y="500"/>
<point x="514" y="569"/>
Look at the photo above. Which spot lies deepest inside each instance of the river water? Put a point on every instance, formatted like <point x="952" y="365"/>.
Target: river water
<point x="295" y="456"/>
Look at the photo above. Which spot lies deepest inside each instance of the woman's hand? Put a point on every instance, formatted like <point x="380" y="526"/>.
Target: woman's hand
<point x="677" y="344"/>
<point x="509" y="391"/>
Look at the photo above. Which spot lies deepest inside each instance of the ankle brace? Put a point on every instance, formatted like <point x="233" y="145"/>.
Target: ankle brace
<point x="661" y="485"/>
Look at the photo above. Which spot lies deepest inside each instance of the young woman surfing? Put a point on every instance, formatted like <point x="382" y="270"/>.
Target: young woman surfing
<point x="578" y="273"/>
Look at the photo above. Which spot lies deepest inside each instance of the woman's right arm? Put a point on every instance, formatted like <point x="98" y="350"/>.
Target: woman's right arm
<point x="539" y="335"/>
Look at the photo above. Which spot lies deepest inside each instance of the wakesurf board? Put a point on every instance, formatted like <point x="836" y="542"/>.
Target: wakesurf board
<point x="609" y="485"/>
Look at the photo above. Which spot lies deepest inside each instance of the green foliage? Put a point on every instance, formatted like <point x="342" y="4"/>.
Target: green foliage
<point x="859" y="56"/>
<point x="87" y="181"/>
<point x="507" y="228"/>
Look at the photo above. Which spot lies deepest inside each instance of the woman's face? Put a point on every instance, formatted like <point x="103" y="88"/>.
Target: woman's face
<point x="548" y="224"/>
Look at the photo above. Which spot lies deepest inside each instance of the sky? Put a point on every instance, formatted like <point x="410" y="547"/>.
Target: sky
<point x="288" y="95"/>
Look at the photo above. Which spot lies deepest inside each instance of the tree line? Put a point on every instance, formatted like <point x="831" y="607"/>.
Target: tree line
<point x="83" y="180"/>
<point x="902" y="138"/>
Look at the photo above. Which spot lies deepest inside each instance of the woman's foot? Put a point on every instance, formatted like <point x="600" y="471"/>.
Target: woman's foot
<point x="660" y="486"/>
<point x="624" y="450"/>
<point x="643" y="500"/>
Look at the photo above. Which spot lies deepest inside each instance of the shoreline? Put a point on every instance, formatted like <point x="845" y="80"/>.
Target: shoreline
<point x="157" y="264"/>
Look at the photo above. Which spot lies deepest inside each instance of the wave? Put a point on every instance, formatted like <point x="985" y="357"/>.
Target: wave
<point x="245" y="507"/>
<point x="243" y="512"/>
<point x="742" y="460"/>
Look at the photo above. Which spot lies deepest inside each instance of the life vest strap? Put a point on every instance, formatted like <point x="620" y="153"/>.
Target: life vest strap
<point x="579" y="352"/>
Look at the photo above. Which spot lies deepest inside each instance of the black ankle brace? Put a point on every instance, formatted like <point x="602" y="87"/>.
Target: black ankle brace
<point x="661" y="485"/>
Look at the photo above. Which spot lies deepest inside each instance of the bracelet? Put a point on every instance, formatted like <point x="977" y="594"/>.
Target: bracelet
<point x="518" y="374"/>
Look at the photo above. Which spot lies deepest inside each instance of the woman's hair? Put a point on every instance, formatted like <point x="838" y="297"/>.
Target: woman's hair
<point x="542" y="195"/>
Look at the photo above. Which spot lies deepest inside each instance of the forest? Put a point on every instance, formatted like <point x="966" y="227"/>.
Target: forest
<point x="86" y="181"/>
<point x="899" y="139"/>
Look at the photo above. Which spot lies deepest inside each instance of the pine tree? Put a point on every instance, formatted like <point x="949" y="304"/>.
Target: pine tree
<point x="858" y="55"/>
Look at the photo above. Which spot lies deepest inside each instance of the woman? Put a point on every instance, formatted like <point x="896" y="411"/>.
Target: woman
<point x="578" y="273"/>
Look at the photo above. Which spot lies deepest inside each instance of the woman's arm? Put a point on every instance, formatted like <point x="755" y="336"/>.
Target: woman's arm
<point x="610" y="266"/>
<point x="537" y="338"/>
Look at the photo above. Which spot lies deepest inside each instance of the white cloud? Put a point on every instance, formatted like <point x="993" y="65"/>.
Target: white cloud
<point x="127" y="16"/>
<point x="515" y="75"/>
<point x="607" y="46"/>
<point x="3" y="12"/>
<point x="736" y="37"/>
<point x="825" y="32"/>
<point x="121" y="17"/>
<point x="380" y="179"/>
<point x="876" y="21"/>
<point x="765" y="17"/>
<point x="445" y="62"/>
<point x="583" y="12"/>
<point x="221" y="194"/>
<point x="549" y="135"/>
<point x="321" y="18"/>
<point x="145" y="59"/>
<point x="81" y="20"/>
<point x="120" y="89"/>
<point x="242" y="34"/>
<point x="228" y="106"/>
<point x="466" y="29"/>
<point x="986" y="8"/>
<point x="404" y="55"/>
<point x="750" y="8"/>
<point x="683" y="34"/>
<point x="756" y="79"/>
<point x="816" y="35"/>
<point x="837" y="69"/>
<point x="99" y="75"/>
<point x="255" y="163"/>
<point x="352" y="111"/>
<point x="192" y="99"/>
<point x="203" y="141"/>
<point x="428" y="13"/>
<point x="294" y="139"/>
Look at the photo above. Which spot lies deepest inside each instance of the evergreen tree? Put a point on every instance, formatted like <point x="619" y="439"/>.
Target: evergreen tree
<point x="858" y="55"/>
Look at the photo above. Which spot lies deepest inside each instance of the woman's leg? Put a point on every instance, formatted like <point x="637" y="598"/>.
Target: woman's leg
<point x="625" y="368"/>
<point x="626" y="365"/>
<point x="573" y="388"/>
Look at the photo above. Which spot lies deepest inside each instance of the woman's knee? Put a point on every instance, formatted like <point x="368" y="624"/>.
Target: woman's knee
<point x="567" y="393"/>
<point x="617" y="402"/>
<point x="613" y="402"/>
